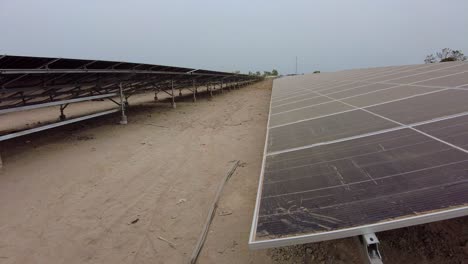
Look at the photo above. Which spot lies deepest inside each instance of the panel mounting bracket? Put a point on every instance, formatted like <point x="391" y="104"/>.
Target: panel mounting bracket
<point x="370" y="248"/>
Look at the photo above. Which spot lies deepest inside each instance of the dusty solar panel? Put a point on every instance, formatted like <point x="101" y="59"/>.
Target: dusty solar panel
<point x="28" y="81"/>
<point x="361" y="151"/>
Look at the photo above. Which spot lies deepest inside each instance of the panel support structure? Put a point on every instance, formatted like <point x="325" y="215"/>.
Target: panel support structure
<point x="156" y="91"/>
<point x="49" y="126"/>
<point x="173" y="95"/>
<point x="370" y="248"/>
<point x="210" y="89"/>
<point x="194" y="87"/>
<point x="62" y="102"/>
<point x="123" y="121"/>
<point x="62" y="115"/>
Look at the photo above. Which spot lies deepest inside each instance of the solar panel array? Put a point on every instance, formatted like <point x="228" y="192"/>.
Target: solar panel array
<point x="26" y="81"/>
<point x="361" y="151"/>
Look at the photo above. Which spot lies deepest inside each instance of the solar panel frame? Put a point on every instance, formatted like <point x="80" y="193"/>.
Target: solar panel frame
<point x="446" y="213"/>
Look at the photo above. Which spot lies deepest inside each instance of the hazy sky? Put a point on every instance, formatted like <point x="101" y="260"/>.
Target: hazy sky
<point x="236" y="35"/>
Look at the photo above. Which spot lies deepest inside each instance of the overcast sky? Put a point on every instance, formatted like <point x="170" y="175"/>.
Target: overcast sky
<point x="246" y="35"/>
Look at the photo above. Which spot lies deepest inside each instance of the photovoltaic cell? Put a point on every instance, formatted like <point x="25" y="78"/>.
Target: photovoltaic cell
<point x="307" y="112"/>
<point x="324" y="129"/>
<point x="449" y="81"/>
<point x="425" y="107"/>
<point x="365" y="88"/>
<point x="299" y="103"/>
<point x="387" y="95"/>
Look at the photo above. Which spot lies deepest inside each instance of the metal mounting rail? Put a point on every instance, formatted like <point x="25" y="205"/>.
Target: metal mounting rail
<point x="370" y="248"/>
<point x="63" y="102"/>
<point x="57" y="124"/>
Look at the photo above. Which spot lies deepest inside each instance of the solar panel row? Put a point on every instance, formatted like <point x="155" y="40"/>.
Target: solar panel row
<point x="361" y="151"/>
<point x="26" y="81"/>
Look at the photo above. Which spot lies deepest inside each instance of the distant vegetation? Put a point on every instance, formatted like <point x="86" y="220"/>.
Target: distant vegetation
<point x="445" y="55"/>
<point x="265" y="73"/>
<point x="316" y="71"/>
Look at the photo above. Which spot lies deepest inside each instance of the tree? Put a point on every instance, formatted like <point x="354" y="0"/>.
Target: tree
<point x="430" y="59"/>
<point x="444" y="55"/>
<point x="258" y="73"/>
<point x="316" y="71"/>
<point x="274" y="72"/>
<point x="458" y="55"/>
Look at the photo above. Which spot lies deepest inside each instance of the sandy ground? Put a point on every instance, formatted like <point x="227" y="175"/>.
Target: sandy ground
<point x="98" y="192"/>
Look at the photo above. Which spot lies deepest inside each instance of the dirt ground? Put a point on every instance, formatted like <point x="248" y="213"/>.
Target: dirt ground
<point x="99" y="192"/>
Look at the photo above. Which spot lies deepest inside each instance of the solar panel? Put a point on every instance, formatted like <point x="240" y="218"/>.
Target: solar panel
<point x="28" y="83"/>
<point x="362" y="151"/>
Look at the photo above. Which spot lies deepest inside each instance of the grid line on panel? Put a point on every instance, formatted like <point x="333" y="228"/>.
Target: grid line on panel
<point x="368" y="106"/>
<point x="383" y="131"/>
<point x="401" y="124"/>
<point x="294" y="92"/>
<point x="372" y="75"/>
<point x="371" y="82"/>
<point x="418" y="73"/>
<point x="422" y="67"/>
<point x="292" y="96"/>
<point x="375" y="75"/>
<point x="459" y="87"/>
<point x="396" y="85"/>
<point x="365" y="181"/>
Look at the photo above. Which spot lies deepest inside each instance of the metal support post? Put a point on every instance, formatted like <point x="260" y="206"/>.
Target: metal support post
<point x="123" y="121"/>
<point x="370" y="248"/>
<point x="221" y="86"/>
<point x="173" y="96"/>
<point x="180" y="91"/>
<point x="62" y="115"/>
<point x="194" y="89"/>
<point x="156" y="95"/>
<point x="210" y="89"/>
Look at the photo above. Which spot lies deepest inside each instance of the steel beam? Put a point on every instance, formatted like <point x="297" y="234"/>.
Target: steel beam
<point x="62" y="115"/>
<point x="41" y="128"/>
<point x="112" y="71"/>
<point x="123" y="121"/>
<point x="69" y="101"/>
<point x="194" y="90"/>
<point x="209" y="86"/>
<point x="172" y="95"/>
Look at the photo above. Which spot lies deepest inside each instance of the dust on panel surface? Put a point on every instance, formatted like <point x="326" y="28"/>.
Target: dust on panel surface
<point x="363" y="147"/>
